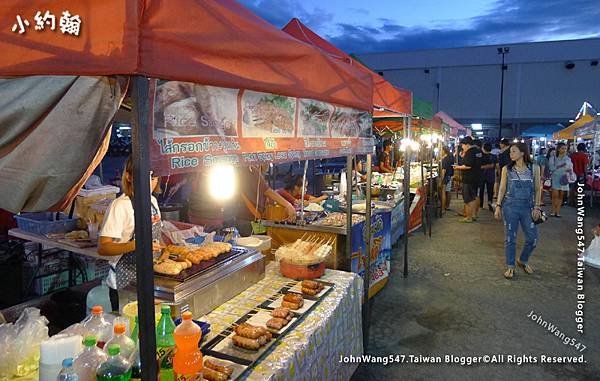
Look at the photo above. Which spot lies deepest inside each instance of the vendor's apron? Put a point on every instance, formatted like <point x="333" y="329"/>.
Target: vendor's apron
<point x="125" y="269"/>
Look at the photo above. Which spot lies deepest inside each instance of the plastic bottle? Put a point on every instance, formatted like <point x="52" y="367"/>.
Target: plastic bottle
<point x="136" y="363"/>
<point x="126" y="345"/>
<point x="116" y="368"/>
<point x="67" y="372"/>
<point x="96" y="325"/>
<point x="187" y="362"/>
<point x="88" y="361"/>
<point x="165" y="344"/>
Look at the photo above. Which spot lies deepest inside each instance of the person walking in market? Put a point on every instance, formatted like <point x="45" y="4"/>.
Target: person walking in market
<point x="559" y="167"/>
<point x="471" y="173"/>
<point x="519" y="197"/>
<point x="488" y="176"/>
<point x="503" y="156"/>
<point x="447" y="173"/>
<point x="581" y="161"/>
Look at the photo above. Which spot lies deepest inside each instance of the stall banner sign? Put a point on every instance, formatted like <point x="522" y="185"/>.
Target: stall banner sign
<point x="381" y="249"/>
<point x="195" y="126"/>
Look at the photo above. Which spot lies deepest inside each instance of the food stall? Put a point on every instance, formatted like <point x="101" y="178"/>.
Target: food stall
<point x="243" y="114"/>
<point x="386" y="217"/>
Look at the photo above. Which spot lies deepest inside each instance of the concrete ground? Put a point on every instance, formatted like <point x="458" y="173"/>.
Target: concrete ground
<point x="455" y="301"/>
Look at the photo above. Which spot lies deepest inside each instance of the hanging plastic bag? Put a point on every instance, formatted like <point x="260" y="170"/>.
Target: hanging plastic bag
<point x="592" y="255"/>
<point x="20" y="343"/>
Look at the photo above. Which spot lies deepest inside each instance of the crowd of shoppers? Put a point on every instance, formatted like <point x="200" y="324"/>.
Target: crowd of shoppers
<point x="508" y="174"/>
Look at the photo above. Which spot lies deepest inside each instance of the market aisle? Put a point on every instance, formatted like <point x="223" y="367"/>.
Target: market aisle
<point x="456" y="302"/>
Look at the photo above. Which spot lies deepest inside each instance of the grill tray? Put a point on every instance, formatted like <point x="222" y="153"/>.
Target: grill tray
<point x="203" y="266"/>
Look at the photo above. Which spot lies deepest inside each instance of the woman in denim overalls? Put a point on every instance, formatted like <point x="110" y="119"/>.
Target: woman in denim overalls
<point x="519" y="198"/>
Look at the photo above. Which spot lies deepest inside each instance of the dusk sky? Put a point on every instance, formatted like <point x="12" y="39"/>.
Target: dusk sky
<point x="359" y="26"/>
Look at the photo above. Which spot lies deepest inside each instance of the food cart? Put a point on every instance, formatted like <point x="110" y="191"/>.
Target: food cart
<point x="228" y="50"/>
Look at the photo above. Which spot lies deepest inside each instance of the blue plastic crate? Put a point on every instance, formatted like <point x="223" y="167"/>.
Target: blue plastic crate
<point x="45" y="222"/>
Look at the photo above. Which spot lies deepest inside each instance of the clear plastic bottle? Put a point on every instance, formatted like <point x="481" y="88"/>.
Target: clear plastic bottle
<point x="67" y="372"/>
<point x="165" y="344"/>
<point x="116" y="368"/>
<point x="88" y="361"/>
<point x="136" y="363"/>
<point x="96" y="325"/>
<point x="125" y="343"/>
<point x="187" y="362"/>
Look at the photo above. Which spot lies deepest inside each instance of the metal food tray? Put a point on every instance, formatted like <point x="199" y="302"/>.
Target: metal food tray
<point x="204" y="266"/>
<point x="222" y="347"/>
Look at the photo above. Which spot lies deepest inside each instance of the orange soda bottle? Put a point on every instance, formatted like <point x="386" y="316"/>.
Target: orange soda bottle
<point x="187" y="362"/>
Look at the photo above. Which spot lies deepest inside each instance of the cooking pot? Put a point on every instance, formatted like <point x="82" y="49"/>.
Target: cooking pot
<point x="171" y="212"/>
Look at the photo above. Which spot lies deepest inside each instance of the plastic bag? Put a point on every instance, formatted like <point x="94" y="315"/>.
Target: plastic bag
<point x="592" y="255"/>
<point x="20" y="343"/>
<point x="177" y="233"/>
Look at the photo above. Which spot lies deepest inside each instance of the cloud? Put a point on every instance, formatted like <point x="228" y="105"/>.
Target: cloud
<point x="279" y="12"/>
<point x="507" y="21"/>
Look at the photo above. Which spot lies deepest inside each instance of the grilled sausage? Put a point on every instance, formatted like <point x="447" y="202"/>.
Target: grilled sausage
<point x="310" y="284"/>
<point x="293" y="297"/>
<point x="219" y="368"/>
<point x="310" y="291"/>
<point x="276" y="323"/>
<point x="246" y="343"/>
<point x="290" y="305"/>
<point x="280" y="312"/>
<point x="213" y="375"/>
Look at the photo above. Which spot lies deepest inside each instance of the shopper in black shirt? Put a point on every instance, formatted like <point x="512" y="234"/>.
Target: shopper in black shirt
<point x="488" y="165"/>
<point x="447" y="174"/>
<point x="471" y="174"/>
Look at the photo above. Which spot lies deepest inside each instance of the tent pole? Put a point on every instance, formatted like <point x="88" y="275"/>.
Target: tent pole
<point x="367" y="303"/>
<point x="143" y="228"/>
<point x="406" y="189"/>
<point x="425" y="207"/>
<point x="349" y="181"/>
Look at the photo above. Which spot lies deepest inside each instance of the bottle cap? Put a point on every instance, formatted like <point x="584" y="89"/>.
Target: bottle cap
<point x="119" y="328"/>
<point x="89" y="341"/>
<point x="97" y="310"/>
<point x="164" y="309"/>
<point x="187" y="315"/>
<point x="68" y="362"/>
<point x="114" y="349"/>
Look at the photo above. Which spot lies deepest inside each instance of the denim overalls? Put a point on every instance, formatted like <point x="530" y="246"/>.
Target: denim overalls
<point x="516" y="208"/>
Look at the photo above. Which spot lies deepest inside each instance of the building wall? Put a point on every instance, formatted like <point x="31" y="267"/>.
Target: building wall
<point x="537" y="86"/>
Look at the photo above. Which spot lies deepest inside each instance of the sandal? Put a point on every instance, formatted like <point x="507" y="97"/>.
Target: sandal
<point x="508" y="274"/>
<point x="466" y="220"/>
<point x="525" y="267"/>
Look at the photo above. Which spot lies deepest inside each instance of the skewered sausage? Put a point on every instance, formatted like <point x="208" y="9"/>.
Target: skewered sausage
<point x="219" y="368"/>
<point x="310" y="291"/>
<point x="280" y="312"/>
<point x="293" y="297"/>
<point x="276" y="323"/>
<point x="249" y="331"/>
<point x="291" y="306"/>
<point x="213" y="375"/>
<point x="246" y="343"/>
<point x="310" y="284"/>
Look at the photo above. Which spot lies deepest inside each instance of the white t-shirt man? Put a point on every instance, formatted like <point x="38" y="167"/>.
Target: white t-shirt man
<point x="119" y="223"/>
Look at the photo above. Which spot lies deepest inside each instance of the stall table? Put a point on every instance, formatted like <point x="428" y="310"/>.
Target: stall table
<point x="312" y="350"/>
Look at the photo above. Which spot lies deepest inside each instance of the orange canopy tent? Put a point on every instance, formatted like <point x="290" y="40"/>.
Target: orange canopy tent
<point x="217" y="43"/>
<point x="392" y="100"/>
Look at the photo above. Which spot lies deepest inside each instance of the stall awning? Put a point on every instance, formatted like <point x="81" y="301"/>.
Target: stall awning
<point x="217" y="43"/>
<point x="422" y="108"/>
<point x="387" y="99"/>
<point x="455" y="127"/>
<point x="569" y="132"/>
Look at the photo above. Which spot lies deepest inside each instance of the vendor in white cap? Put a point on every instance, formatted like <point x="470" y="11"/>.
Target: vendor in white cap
<point x="116" y="237"/>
